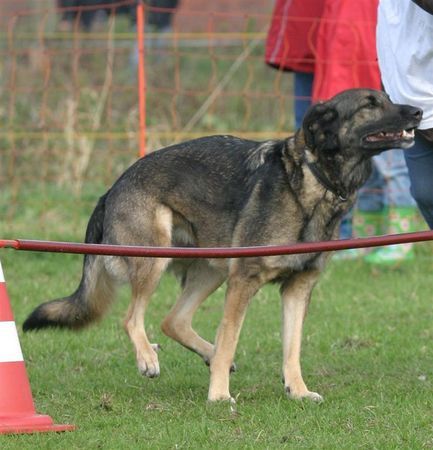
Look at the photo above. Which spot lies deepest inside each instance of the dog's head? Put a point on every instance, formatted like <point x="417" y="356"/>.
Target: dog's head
<point x="360" y="120"/>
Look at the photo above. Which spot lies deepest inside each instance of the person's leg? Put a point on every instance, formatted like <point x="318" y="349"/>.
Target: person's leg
<point x="368" y="214"/>
<point x="370" y="207"/>
<point x="392" y="166"/>
<point x="67" y="17"/>
<point x="303" y="86"/>
<point x="419" y="160"/>
<point x="401" y="208"/>
<point x="371" y="197"/>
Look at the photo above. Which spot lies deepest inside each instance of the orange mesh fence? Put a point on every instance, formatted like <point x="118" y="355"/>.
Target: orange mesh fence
<point x="70" y="95"/>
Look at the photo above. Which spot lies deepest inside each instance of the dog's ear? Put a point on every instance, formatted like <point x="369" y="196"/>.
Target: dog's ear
<point x="320" y="126"/>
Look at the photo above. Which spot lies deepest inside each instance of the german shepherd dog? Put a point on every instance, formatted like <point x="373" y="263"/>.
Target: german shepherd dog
<point x="223" y="191"/>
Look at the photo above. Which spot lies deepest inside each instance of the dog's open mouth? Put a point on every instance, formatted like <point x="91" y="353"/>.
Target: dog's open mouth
<point x="391" y="136"/>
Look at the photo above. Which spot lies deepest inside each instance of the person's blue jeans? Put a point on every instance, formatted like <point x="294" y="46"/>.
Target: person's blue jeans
<point x="419" y="160"/>
<point x="388" y="185"/>
<point x="303" y="87"/>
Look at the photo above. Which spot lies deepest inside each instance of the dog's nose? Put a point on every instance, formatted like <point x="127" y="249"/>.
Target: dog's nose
<point x="416" y="113"/>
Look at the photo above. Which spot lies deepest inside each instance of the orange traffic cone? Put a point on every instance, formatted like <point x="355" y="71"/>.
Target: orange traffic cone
<point x="17" y="411"/>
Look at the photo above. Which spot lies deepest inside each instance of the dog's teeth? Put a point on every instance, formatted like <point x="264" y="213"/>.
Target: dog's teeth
<point x="392" y="135"/>
<point x="408" y="134"/>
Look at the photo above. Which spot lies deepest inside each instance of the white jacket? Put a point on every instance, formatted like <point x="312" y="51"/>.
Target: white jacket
<point x="405" y="52"/>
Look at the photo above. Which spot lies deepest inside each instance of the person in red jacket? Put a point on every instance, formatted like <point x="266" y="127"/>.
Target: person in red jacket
<point x="290" y="46"/>
<point x="329" y="45"/>
<point x="346" y="48"/>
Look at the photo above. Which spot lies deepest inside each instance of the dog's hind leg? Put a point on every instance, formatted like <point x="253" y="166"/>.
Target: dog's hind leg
<point x="296" y="295"/>
<point x="144" y="276"/>
<point x="143" y="283"/>
<point x="200" y="281"/>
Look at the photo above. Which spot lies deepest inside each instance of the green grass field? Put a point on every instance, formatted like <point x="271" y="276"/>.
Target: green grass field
<point x="367" y="349"/>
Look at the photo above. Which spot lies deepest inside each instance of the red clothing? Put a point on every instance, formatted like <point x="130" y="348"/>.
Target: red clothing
<point x="346" y="48"/>
<point x="292" y="34"/>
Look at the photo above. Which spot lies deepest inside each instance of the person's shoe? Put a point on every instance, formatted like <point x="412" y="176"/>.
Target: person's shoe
<point x="369" y="223"/>
<point x="390" y="255"/>
<point x="400" y="220"/>
<point x="348" y="254"/>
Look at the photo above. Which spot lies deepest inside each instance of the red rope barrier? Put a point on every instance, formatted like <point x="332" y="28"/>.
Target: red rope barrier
<point x="222" y="252"/>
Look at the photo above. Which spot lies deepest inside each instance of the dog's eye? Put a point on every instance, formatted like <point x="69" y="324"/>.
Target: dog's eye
<point x="372" y="102"/>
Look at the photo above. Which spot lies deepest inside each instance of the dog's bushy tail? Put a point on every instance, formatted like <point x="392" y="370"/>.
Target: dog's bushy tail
<point x="93" y="295"/>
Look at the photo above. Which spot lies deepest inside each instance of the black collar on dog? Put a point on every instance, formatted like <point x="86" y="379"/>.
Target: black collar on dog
<point x="338" y="191"/>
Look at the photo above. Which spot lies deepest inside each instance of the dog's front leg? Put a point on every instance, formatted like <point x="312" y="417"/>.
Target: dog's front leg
<point x="239" y="293"/>
<point x="295" y="298"/>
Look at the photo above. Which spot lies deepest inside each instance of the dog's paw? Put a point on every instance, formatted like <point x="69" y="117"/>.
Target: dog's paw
<point x="213" y="398"/>
<point x="313" y="396"/>
<point x="148" y="364"/>
<point x="149" y="370"/>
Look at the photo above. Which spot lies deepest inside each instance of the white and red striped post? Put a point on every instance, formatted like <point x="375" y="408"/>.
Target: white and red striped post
<point x="17" y="410"/>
